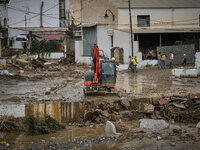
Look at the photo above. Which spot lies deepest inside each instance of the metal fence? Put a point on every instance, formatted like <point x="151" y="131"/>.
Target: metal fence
<point x="178" y="51"/>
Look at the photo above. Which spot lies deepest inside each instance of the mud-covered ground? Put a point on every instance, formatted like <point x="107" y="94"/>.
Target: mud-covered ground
<point x="50" y="91"/>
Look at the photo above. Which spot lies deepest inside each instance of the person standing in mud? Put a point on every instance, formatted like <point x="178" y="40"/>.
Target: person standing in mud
<point x="184" y="61"/>
<point x="159" y="60"/>
<point x="171" y="59"/>
<point x="163" y="58"/>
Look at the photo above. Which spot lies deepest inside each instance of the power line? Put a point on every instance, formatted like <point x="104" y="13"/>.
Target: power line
<point x="33" y="16"/>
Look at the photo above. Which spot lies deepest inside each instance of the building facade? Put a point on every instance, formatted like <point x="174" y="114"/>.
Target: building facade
<point x="155" y="23"/>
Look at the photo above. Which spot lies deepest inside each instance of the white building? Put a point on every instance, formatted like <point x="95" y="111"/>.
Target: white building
<point x="155" y="23"/>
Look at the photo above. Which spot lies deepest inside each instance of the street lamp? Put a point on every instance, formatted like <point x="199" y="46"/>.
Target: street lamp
<point x="106" y="14"/>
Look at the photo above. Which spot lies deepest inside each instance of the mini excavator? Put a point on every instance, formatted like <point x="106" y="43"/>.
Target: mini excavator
<point x="102" y="78"/>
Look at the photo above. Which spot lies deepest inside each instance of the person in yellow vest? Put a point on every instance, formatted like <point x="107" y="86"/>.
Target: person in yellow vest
<point x="133" y="61"/>
<point x="113" y="58"/>
<point x="163" y="58"/>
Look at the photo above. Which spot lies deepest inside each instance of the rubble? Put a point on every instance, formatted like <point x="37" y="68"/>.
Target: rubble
<point x="146" y="108"/>
<point x="182" y="109"/>
<point x="2" y="64"/>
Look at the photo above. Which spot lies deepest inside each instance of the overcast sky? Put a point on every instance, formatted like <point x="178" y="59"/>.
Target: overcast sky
<point x="18" y="9"/>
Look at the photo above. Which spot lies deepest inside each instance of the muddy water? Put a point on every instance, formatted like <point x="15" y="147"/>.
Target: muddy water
<point x="152" y="82"/>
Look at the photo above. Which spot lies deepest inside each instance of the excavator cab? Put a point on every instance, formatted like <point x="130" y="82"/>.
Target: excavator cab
<point x="108" y="73"/>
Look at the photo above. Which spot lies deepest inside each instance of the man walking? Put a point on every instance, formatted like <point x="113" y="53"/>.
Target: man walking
<point x="159" y="60"/>
<point x="184" y="60"/>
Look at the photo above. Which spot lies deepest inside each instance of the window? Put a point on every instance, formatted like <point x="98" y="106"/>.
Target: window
<point x="143" y="20"/>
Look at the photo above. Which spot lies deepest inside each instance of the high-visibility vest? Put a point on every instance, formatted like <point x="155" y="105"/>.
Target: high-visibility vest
<point x="134" y="62"/>
<point x="163" y="57"/>
<point x="113" y="58"/>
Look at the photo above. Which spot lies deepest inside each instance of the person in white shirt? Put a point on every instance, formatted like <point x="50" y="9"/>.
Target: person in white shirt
<point x="171" y="59"/>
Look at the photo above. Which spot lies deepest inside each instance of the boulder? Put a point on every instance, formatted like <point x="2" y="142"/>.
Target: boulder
<point x="153" y="124"/>
<point x="110" y="128"/>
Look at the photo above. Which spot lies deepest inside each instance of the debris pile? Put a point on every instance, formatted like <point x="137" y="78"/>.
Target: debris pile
<point x="42" y="126"/>
<point x="9" y="124"/>
<point x="32" y="62"/>
<point x="30" y="124"/>
<point x="70" y="58"/>
<point x="182" y="109"/>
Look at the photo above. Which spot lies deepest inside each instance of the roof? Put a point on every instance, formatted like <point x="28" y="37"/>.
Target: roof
<point x="162" y="30"/>
<point x="44" y="29"/>
<point x="157" y="3"/>
<point x="51" y="36"/>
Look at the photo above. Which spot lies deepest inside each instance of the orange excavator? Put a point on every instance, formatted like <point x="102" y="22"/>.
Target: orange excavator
<point x="102" y="78"/>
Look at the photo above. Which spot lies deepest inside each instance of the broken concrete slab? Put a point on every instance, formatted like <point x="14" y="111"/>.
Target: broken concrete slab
<point x="184" y="72"/>
<point x="110" y="128"/>
<point x="153" y="124"/>
<point x="146" y="108"/>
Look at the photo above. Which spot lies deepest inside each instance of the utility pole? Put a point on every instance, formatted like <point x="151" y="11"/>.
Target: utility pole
<point x="131" y="29"/>
<point x="41" y="14"/>
<point x="62" y="14"/>
<point x="25" y="24"/>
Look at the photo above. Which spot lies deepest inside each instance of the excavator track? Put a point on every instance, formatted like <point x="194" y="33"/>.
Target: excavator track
<point x="100" y="92"/>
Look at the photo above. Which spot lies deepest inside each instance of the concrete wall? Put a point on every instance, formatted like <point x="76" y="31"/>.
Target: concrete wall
<point x="79" y="58"/>
<point x="18" y="9"/>
<point x="16" y="110"/>
<point x="93" y="11"/>
<point x="103" y="40"/>
<point x="178" y="50"/>
<point x="122" y="40"/>
<point x="197" y="62"/>
<point x="179" y="17"/>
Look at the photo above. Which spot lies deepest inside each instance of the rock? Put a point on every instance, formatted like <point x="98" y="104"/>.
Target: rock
<point x="110" y="128"/>
<point x="105" y="113"/>
<point x="146" y="108"/>
<point x="159" y="138"/>
<point x="172" y="143"/>
<point x="198" y="125"/>
<point x="23" y="56"/>
<point x="47" y="93"/>
<point x="172" y="127"/>
<point x="14" y="57"/>
<point x="52" y="138"/>
<point x="22" y="62"/>
<point x="153" y="124"/>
